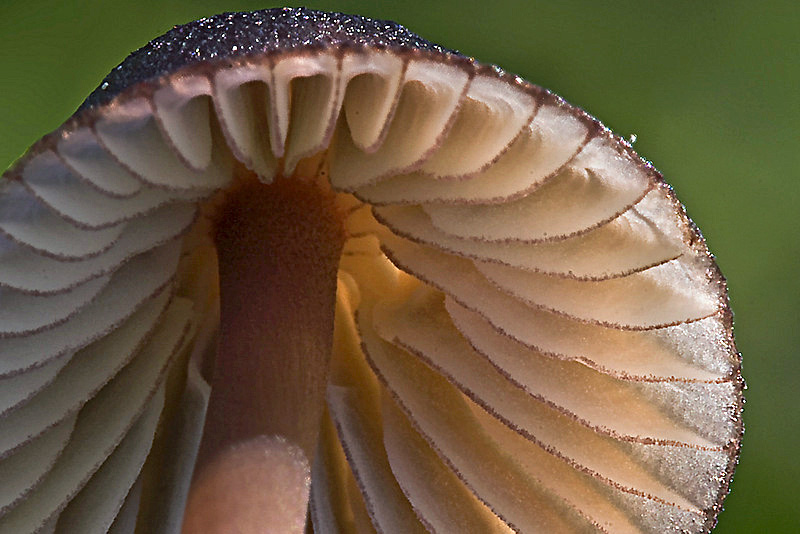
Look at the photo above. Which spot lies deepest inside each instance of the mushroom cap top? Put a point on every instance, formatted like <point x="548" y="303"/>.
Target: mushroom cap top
<point x="228" y="35"/>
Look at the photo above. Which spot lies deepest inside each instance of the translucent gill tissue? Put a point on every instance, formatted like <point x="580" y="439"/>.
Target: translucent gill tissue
<point x="310" y="272"/>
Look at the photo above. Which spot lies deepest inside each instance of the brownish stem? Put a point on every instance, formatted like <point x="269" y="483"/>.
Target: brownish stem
<point x="278" y="250"/>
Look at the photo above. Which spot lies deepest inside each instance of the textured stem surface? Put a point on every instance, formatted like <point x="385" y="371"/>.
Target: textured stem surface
<point x="278" y="249"/>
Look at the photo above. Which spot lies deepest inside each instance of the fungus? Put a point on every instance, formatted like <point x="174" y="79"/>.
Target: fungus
<point x="454" y="301"/>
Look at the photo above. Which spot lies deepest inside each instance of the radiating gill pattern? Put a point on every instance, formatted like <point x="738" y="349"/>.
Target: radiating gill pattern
<point x="530" y="334"/>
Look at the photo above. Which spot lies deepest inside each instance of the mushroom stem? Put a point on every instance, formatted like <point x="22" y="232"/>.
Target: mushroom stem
<point x="278" y="249"/>
<point x="236" y="491"/>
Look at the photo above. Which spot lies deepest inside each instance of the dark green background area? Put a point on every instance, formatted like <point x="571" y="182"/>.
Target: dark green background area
<point x="711" y="89"/>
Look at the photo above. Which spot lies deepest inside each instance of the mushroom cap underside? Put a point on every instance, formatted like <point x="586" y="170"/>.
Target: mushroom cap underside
<point x="531" y="334"/>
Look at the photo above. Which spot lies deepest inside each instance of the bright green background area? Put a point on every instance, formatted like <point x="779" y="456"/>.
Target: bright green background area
<point x="711" y="89"/>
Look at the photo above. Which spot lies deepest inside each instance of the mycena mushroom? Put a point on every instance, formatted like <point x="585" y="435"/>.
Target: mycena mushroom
<point x="309" y="270"/>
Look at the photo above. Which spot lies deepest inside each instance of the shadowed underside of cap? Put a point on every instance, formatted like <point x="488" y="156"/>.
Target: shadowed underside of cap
<point x="530" y="334"/>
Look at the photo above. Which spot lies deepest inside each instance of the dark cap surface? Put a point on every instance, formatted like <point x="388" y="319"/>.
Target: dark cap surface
<point x="230" y="35"/>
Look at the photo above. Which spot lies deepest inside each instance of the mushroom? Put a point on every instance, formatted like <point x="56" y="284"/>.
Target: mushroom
<point x="289" y="263"/>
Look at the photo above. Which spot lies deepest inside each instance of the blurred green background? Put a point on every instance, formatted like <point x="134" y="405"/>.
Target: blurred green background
<point x="711" y="89"/>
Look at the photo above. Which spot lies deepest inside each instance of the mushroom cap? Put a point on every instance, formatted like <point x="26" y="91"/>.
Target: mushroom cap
<point x="530" y="331"/>
<point x="241" y="34"/>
